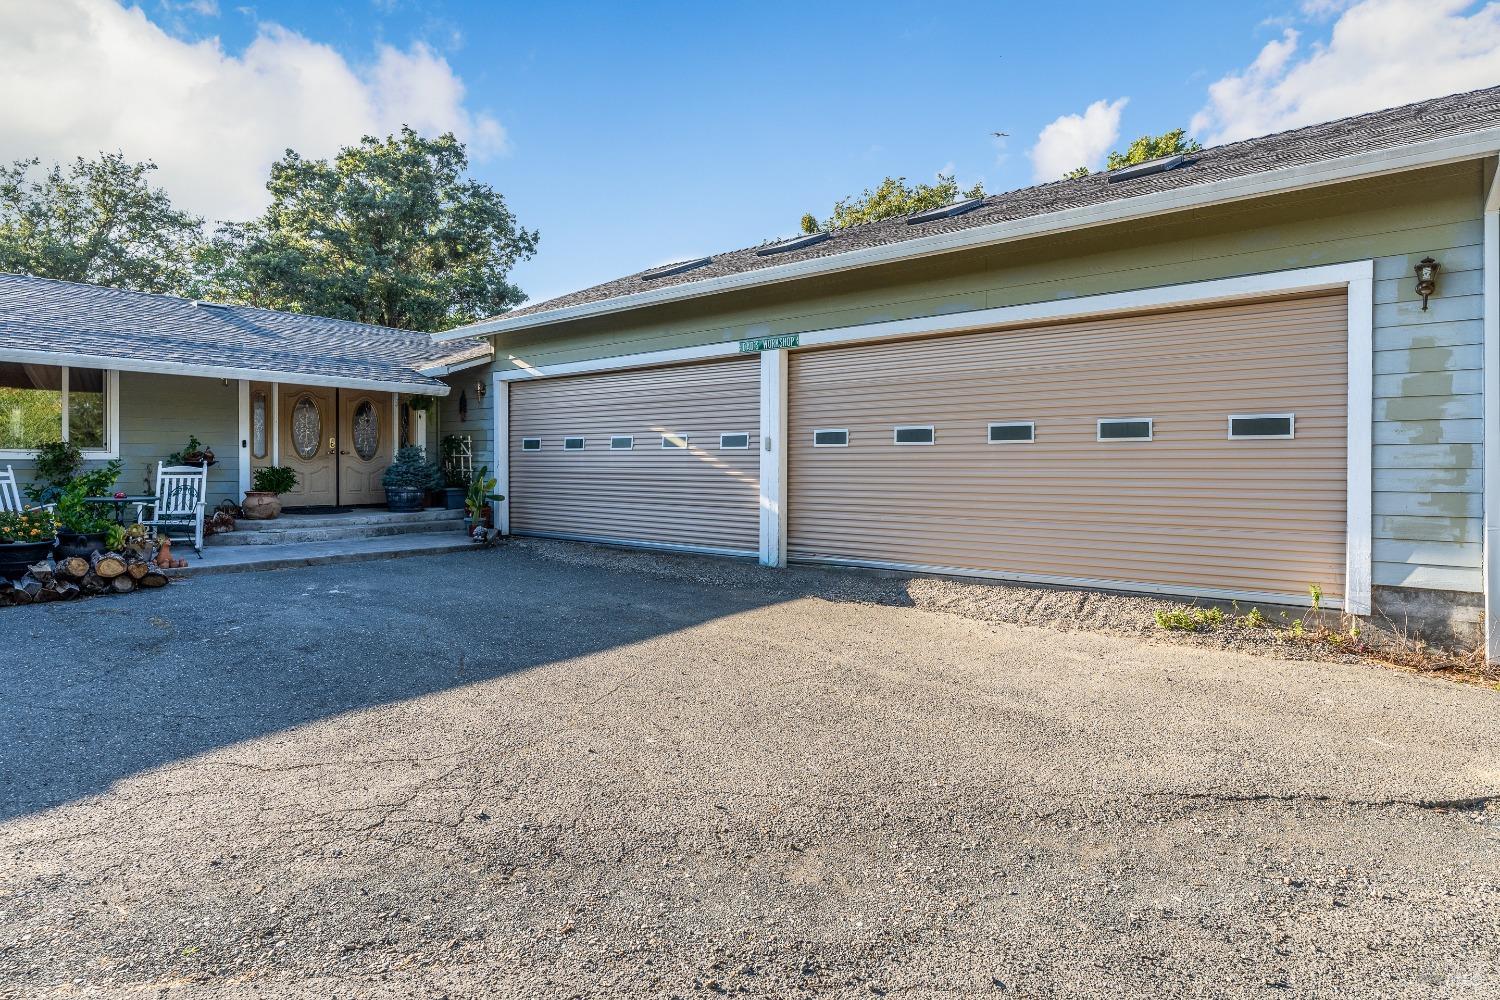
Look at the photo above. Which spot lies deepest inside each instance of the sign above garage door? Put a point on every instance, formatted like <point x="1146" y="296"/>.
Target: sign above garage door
<point x="769" y="343"/>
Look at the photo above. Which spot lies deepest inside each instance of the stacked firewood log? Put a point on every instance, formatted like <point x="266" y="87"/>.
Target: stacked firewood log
<point x="75" y="576"/>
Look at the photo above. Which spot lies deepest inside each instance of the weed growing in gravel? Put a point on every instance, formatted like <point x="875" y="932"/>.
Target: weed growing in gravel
<point x="1190" y="619"/>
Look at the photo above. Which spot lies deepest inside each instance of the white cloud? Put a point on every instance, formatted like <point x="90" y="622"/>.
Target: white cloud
<point x="1381" y="53"/>
<point x="94" y="75"/>
<point x="1076" y="140"/>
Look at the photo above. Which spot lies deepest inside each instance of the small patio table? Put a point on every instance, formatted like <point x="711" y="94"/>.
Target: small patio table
<point x="120" y="503"/>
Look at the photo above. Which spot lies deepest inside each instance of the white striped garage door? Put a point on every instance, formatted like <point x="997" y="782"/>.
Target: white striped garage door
<point x="1185" y="509"/>
<point x="660" y="456"/>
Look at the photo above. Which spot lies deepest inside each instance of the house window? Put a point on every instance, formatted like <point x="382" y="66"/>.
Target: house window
<point x="915" y="435"/>
<point x="258" y="435"/>
<point x="621" y="442"/>
<point x="44" y="403"/>
<point x="1016" y="430"/>
<point x="674" y="441"/>
<point x="573" y="444"/>
<point x="531" y="444"/>
<point x="831" y="439"/>
<point x="728" y="442"/>
<point x="1125" y="429"/>
<point x="1262" y="425"/>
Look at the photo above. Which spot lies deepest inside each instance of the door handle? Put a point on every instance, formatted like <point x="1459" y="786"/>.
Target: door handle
<point x="343" y="452"/>
<point x="332" y="447"/>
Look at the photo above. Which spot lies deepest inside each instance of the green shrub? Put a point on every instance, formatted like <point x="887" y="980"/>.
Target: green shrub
<point x="276" y="479"/>
<point x="53" y="467"/>
<point x="75" y="513"/>
<point x="411" y="470"/>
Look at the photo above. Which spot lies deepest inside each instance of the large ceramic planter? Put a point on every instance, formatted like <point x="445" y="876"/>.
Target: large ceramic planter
<point x="16" y="556"/>
<point x="403" y="499"/>
<point x="260" y="506"/>
<point x="70" y="543"/>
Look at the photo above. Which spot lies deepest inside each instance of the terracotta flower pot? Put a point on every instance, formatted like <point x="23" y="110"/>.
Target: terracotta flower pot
<point x="260" y="506"/>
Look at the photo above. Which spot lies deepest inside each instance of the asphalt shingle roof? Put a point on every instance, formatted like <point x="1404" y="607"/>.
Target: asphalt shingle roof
<point x="1412" y="123"/>
<point x="64" y="317"/>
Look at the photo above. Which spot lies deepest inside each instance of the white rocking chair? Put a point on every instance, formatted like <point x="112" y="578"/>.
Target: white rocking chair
<point x="180" y="497"/>
<point x="10" y="494"/>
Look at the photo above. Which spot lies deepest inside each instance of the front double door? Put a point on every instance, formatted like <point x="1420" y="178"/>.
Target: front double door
<point x="338" y="441"/>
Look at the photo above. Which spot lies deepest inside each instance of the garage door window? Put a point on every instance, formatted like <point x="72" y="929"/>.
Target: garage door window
<point x="674" y="441"/>
<point x="531" y="444"/>
<point x="915" y="435"/>
<point x="1125" y="429"/>
<point x="573" y="444"/>
<point x="621" y="442"/>
<point x="831" y="439"/>
<point x="733" y="442"/>
<point x="1021" y="431"/>
<point x="1254" y="426"/>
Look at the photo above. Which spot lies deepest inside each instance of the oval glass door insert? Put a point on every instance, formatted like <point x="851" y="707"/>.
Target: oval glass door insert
<point x="307" y="428"/>
<point x="366" y="430"/>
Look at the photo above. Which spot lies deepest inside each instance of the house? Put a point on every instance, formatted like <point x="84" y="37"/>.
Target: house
<point x="1211" y="375"/>
<point x="132" y="376"/>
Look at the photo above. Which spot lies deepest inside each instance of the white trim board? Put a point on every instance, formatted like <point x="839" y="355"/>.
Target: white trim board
<point x="1492" y="413"/>
<point x="1433" y="152"/>
<point x="213" y="371"/>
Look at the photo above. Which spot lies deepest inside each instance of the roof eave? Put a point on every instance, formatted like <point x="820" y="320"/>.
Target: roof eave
<point x="1414" y="156"/>
<point x="429" y="386"/>
<point x="437" y="370"/>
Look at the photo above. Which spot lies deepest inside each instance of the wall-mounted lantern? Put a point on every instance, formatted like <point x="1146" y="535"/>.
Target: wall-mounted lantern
<point x="1427" y="270"/>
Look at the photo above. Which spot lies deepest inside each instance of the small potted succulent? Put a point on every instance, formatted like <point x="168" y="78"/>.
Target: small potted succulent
<point x="26" y="537"/>
<point x="263" y="500"/>
<point x="408" y="479"/>
<point x="83" y="527"/>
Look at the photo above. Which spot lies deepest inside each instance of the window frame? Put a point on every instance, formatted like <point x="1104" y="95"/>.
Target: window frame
<point x="735" y="447"/>
<point x="583" y="442"/>
<point x="667" y="446"/>
<point x="989" y="431"/>
<point x="111" y="449"/>
<point x="830" y="430"/>
<point x="538" y="444"/>
<point x="1290" y="435"/>
<point x="629" y="440"/>
<point x="1150" y="423"/>
<point x="896" y="435"/>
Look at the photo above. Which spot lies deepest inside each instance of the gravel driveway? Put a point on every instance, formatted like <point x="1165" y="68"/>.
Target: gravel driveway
<point x="546" y="771"/>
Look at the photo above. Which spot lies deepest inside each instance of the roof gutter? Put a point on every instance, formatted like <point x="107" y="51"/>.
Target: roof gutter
<point x="1431" y="153"/>
<point x="30" y="357"/>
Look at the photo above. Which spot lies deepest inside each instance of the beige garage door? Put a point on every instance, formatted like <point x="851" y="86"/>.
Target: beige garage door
<point x="1185" y="508"/>
<point x="587" y="456"/>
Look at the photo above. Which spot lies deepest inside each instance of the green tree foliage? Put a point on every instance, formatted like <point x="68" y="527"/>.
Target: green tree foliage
<point x="392" y="232"/>
<point x="892" y="197"/>
<point x="1147" y="147"/>
<point x="98" y="221"/>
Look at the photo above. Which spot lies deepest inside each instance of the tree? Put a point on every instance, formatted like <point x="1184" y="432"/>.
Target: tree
<point x="391" y="232"/>
<point x="98" y="221"/>
<point x="892" y="197"/>
<point x="1147" y="147"/>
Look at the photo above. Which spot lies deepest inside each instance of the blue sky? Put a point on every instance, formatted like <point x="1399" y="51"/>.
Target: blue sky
<point x="633" y="134"/>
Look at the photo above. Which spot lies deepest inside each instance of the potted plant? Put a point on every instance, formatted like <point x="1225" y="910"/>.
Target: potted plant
<point x="477" y="502"/>
<point x="408" y="479"/>
<point x="196" y="453"/>
<point x="83" y="526"/>
<point x="455" y="480"/>
<point x="26" y="537"/>
<point x="263" y="500"/>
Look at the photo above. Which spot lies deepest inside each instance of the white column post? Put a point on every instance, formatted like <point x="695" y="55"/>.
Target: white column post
<point x="500" y="397"/>
<point x="275" y="429"/>
<point x="1491" y="265"/>
<point x="1360" y="414"/>
<point x="773" y="449"/>
<point x="244" y="449"/>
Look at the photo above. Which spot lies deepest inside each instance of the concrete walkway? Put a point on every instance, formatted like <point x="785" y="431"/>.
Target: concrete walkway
<point x="243" y="558"/>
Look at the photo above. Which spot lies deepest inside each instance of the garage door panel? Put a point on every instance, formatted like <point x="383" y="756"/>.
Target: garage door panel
<point x="701" y="495"/>
<point x="1188" y="509"/>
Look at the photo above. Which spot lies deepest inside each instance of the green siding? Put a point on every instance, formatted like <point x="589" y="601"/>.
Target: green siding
<point x="1428" y="403"/>
<point x="157" y="413"/>
<point x="481" y="423"/>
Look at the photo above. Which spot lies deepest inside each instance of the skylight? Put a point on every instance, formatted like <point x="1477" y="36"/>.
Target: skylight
<point x="1156" y="166"/>
<point x="677" y="268"/>
<point x="946" y="212"/>
<point x="797" y="243"/>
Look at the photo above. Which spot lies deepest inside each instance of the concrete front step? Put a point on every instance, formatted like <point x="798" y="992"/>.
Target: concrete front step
<point x="298" y="529"/>
<point x="249" y="558"/>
